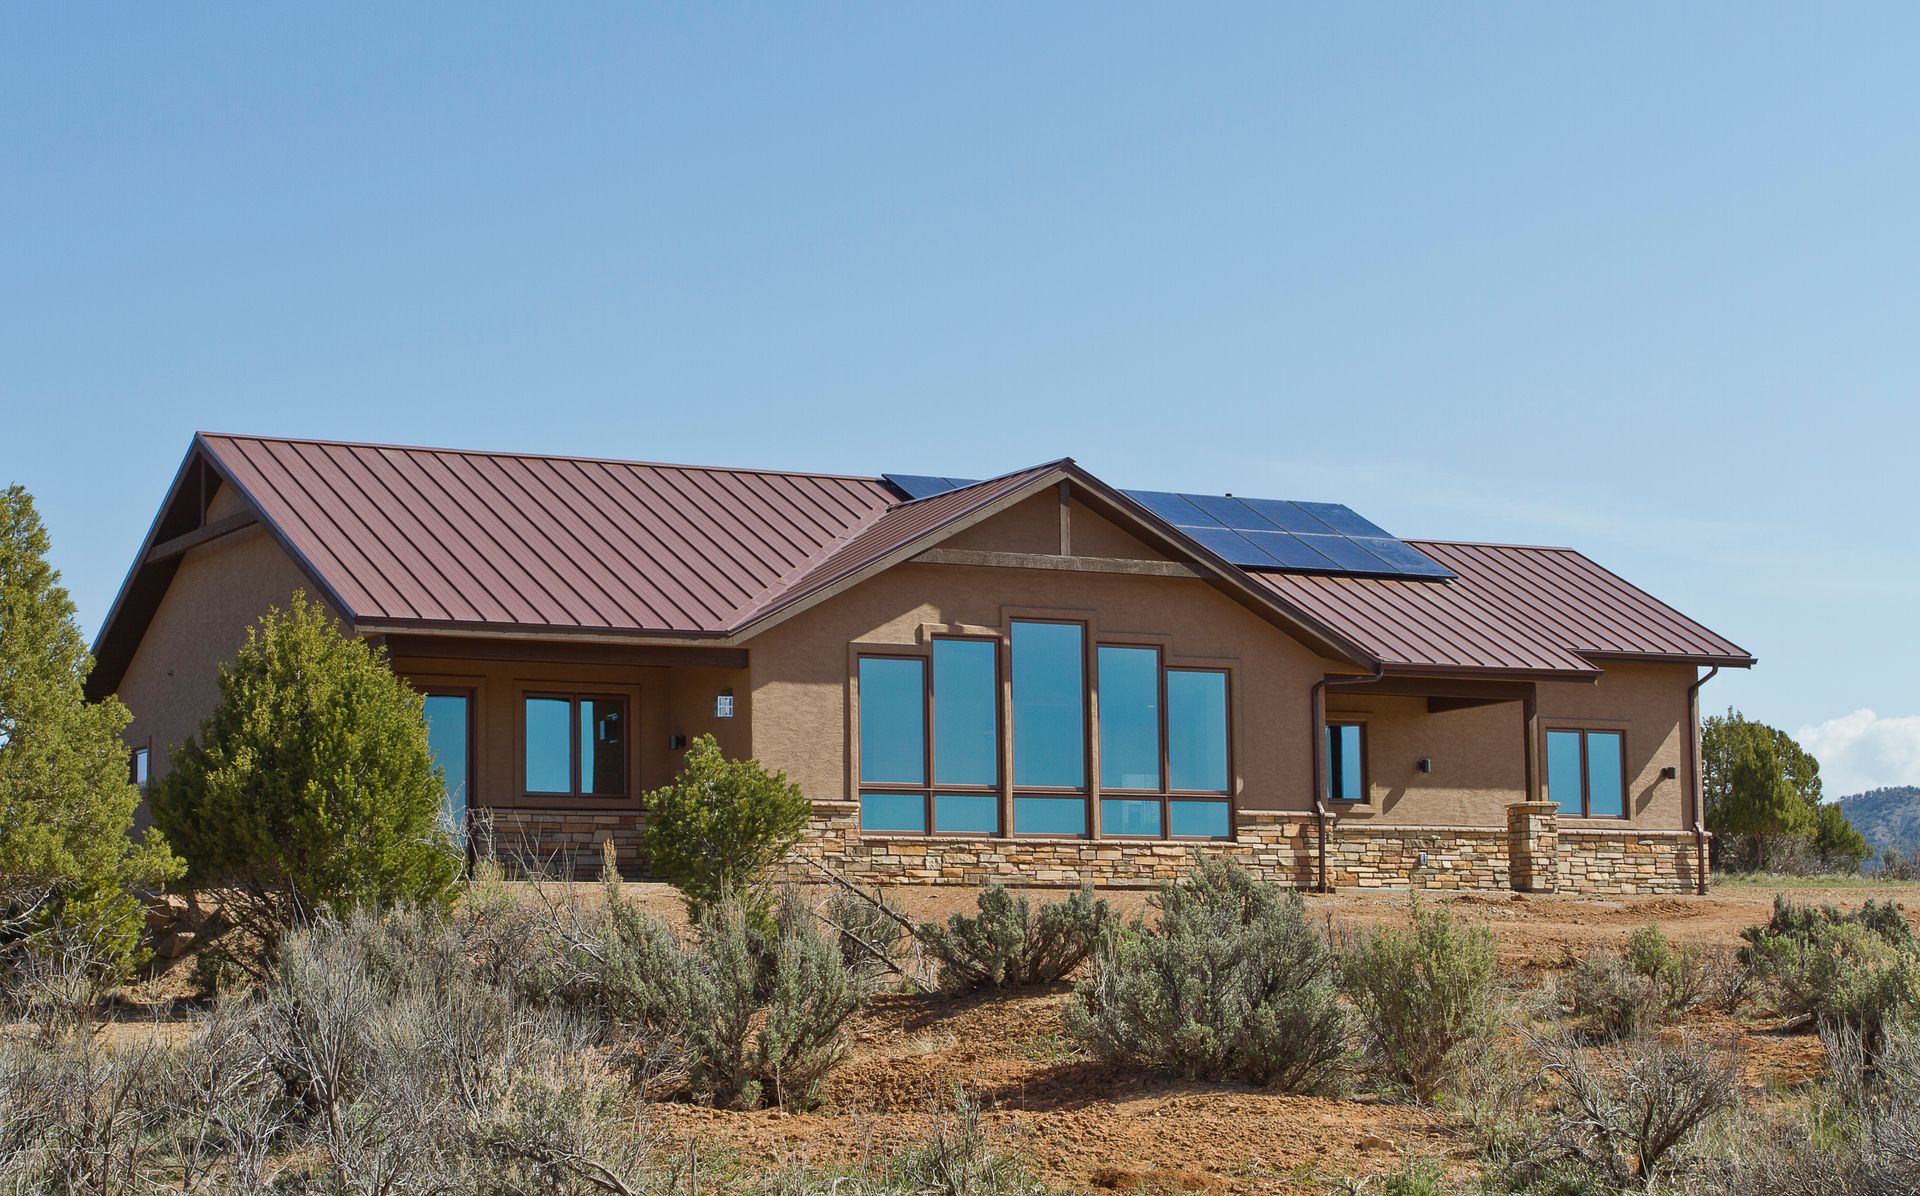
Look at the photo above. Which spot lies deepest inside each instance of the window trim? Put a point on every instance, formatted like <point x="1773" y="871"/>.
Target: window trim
<point x="573" y="698"/>
<point x="930" y="791"/>
<point x="1366" y="774"/>
<point x="1586" y="777"/>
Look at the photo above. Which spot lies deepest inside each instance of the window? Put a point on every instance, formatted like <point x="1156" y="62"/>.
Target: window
<point x="1587" y="772"/>
<point x="1049" y="728"/>
<point x="1346" y="762"/>
<point x="137" y="765"/>
<point x="1163" y="733"/>
<point x="449" y="730"/>
<point x="931" y="739"/>
<point x="946" y="728"/>
<point x="576" y="745"/>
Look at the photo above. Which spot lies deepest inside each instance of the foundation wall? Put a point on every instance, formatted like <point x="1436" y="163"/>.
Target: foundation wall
<point x="1530" y="854"/>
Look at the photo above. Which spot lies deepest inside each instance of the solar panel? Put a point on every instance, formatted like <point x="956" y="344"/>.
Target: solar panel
<point x="1267" y="533"/>
<point x="918" y="485"/>
<point x="1257" y="533"/>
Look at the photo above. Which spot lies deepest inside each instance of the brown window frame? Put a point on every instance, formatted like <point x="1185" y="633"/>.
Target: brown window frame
<point x="1089" y="729"/>
<point x="930" y="791"/>
<point x="472" y="698"/>
<point x="573" y="698"/>
<point x="1366" y="774"/>
<point x="1586" y="775"/>
<point x="1166" y="793"/>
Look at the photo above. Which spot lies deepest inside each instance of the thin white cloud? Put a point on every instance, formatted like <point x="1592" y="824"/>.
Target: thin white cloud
<point x="1861" y="751"/>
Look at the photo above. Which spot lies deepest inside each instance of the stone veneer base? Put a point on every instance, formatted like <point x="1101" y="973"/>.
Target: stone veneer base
<point x="1531" y="853"/>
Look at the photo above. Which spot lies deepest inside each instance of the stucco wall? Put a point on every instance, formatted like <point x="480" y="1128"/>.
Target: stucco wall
<point x="220" y="589"/>
<point x="1477" y="753"/>
<point x="665" y="702"/>
<point x="802" y="689"/>
<point x="802" y="669"/>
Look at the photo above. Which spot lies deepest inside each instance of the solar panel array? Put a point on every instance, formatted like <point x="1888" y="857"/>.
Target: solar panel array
<point x="1271" y="533"/>
<point x="918" y="485"/>
<point x="1258" y="533"/>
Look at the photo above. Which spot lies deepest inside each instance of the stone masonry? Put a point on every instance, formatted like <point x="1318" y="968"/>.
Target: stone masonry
<point x="1532" y="854"/>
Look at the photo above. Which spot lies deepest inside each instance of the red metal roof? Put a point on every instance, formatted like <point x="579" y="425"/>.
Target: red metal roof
<point x="432" y="536"/>
<point x="1510" y="608"/>
<point x="443" y="539"/>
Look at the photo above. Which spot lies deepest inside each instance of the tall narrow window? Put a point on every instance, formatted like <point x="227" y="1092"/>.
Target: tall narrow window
<point x="954" y="742"/>
<point x="1586" y="772"/>
<point x="1049" y="727"/>
<point x="1129" y="718"/>
<point x="1197" y="730"/>
<point x="448" y="727"/>
<point x="1346" y="762"/>
<point x="574" y="745"/>
<point x="137" y="767"/>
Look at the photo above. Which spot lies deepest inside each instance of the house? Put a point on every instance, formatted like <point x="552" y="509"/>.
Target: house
<point x="1037" y="677"/>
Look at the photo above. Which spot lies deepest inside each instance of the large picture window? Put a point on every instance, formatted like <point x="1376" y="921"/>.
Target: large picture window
<point x="944" y="726"/>
<point x="1163" y="735"/>
<point x="931" y="740"/>
<point x="575" y="745"/>
<point x="1049" y="728"/>
<point x="1587" y="772"/>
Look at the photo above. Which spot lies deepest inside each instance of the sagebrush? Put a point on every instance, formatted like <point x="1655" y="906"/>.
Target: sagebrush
<point x="1236" y="983"/>
<point x="1008" y="943"/>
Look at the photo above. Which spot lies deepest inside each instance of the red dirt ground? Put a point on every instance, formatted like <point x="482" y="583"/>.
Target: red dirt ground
<point x="1085" y="1127"/>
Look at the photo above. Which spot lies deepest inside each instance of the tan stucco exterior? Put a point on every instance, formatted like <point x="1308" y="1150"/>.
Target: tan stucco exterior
<point x="221" y="589"/>
<point x="1478" y="753"/>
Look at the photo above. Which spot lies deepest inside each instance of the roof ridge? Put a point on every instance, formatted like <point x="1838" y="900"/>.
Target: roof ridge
<point x="443" y="450"/>
<point x="1494" y="544"/>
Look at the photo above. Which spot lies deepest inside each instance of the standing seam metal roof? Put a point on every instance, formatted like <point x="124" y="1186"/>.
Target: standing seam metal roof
<point x="439" y="537"/>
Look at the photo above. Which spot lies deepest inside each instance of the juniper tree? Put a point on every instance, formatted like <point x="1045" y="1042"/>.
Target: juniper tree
<point x="311" y="787"/>
<point x="68" y="859"/>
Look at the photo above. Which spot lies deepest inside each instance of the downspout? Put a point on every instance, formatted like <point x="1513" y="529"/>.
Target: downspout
<point x="1695" y="797"/>
<point x="1317" y="736"/>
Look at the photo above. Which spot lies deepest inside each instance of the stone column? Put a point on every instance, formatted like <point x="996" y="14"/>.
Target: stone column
<point x="1533" y="846"/>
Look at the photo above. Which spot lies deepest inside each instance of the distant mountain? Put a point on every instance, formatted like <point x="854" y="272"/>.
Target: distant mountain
<point x="1887" y="817"/>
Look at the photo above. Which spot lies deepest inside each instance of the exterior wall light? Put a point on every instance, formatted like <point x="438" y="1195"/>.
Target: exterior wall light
<point x="1425" y="764"/>
<point x="723" y="705"/>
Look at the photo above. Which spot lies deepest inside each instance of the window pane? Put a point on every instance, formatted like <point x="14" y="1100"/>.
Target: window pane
<point x="893" y="721"/>
<point x="1606" y="787"/>
<point x="893" y="812"/>
<point x="139" y="771"/>
<point x="447" y="739"/>
<point x="603" y="752"/>
<point x="549" y="746"/>
<point x="966" y="814"/>
<point x="1129" y="816"/>
<point x="1197" y="729"/>
<point x="1050" y="815"/>
<point x="1049" y="706"/>
<point x="1129" y="719"/>
<point x="966" y="706"/>
<point x="1563" y="770"/>
<point x="1345" y="768"/>
<point x="1199" y="819"/>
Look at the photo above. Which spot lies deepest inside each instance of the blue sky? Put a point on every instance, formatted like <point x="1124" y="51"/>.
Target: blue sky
<point x="1636" y="278"/>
